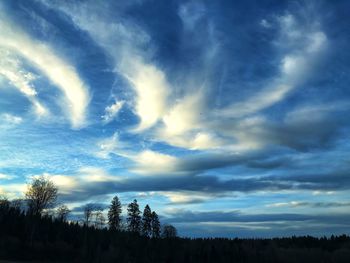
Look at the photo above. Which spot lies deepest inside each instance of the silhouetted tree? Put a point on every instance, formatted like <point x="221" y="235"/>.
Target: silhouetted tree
<point x="89" y="210"/>
<point x="147" y="221"/>
<point x="169" y="231"/>
<point x="41" y="194"/>
<point x="155" y="225"/>
<point x="62" y="213"/>
<point x="99" y="218"/>
<point x="4" y="203"/>
<point x="114" y="212"/>
<point x="55" y="241"/>
<point x="134" y="218"/>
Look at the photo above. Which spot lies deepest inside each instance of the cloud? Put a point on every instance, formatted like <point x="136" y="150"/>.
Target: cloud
<point x="152" y="91"/>
<point x="182" y="125"/>
<point x="108" y="146"/>
<point x="191" y="197"/>
<point x="123" y="42"/>
<point x="11" y="119"/>
<point x="234" y="219"/>
<point x="184" y="115"/>
<point x="13" y="190"/>
<point x="60" y="73"/>
<point x="112" y="111"/>
<point x="152" y="163"/>
<point x="94" y="174"/>
<point x="75" y="186"/>
<point x="208" y="185"/>
<point x="295" y="66"/>
<point x="310" y="204"/>
<point x="190" y="14"/>
<point x="6" y="176"/>
<point x="64" y="183"/>
<point x="12" y="69"/>
<point x="239" y="224"/>
<point x="264" y="23"/>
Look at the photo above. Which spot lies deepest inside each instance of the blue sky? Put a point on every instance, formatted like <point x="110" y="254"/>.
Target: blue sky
<point x="230" y="118"/>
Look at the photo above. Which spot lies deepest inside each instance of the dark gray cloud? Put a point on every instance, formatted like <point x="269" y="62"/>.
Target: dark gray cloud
<point x="236" y="216"/>
<point x="337" y="180"/>
<point x="237" y="224"/>
<point x="95" y="206"/>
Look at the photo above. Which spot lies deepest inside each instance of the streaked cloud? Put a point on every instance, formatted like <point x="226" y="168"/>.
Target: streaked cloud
<point x="13" y="71"/>
<point x="62" y="74"/>
<point x="112" y="111"/>
<point x="11" y="119"/>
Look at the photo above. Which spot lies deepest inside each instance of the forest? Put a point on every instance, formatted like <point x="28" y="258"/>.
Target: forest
<point x="37" y="229"/>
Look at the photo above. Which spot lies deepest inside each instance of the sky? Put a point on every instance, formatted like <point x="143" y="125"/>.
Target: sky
<point x="229" y="118"/>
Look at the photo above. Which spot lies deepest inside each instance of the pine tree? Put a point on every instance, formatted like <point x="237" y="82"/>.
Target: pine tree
<point x="147" y="221"/>
<point x="155" y="225"/>
<point x="114" y="212"/>
<point x="134" y="218"/>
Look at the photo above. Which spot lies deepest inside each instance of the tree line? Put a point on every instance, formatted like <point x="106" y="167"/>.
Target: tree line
<point x="42" y="195"/>
<point x="31" y="233"/>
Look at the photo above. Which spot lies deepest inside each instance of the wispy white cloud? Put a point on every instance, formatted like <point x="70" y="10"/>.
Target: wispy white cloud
<point x="190" y="197"/>
<point x="111" y="145"/>
<point x="86" y="175"/>
<point x="11" y="119"/>
<point x="151" y="163"/>
<point x="316" y="110"/>
<point x="13" y="190"/>
<point x="112" y="111"/>
<point x="59" y="71"/>
<point x="182" y="117"/>
<point x="95" y="174"/>
<point x="6" y="176"/>
<point x="18" y="77"/>
<point x="264" y="23"/>
<point x="295" y="66"/>
<point x="152" y="91"/>
<point x="190" y="13"/>
<point x="122" y="42"/>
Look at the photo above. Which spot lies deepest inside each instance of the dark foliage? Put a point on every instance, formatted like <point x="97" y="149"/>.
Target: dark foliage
<point x="155" y="225"/>
<point x="134" y="218"/>
<point x="147" y="221"/>
<point x="169" y="231"/>
<point x="27" y="236"/>
<point x="114" y="214"/>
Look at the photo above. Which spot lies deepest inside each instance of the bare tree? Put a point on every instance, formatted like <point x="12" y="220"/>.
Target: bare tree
<point x="41" y="194"/>
<point x="88" y="213"/>
<point x="100" y="219"/>
<point x="169" y="231"/>
<point x="62" y="213"/>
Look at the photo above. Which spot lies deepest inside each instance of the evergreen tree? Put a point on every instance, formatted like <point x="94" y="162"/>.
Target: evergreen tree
<point x="147" y="221"/>
<point x="134" y="218"/>
<point x="114" y="212"/>
<point x="155" y="225"/>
